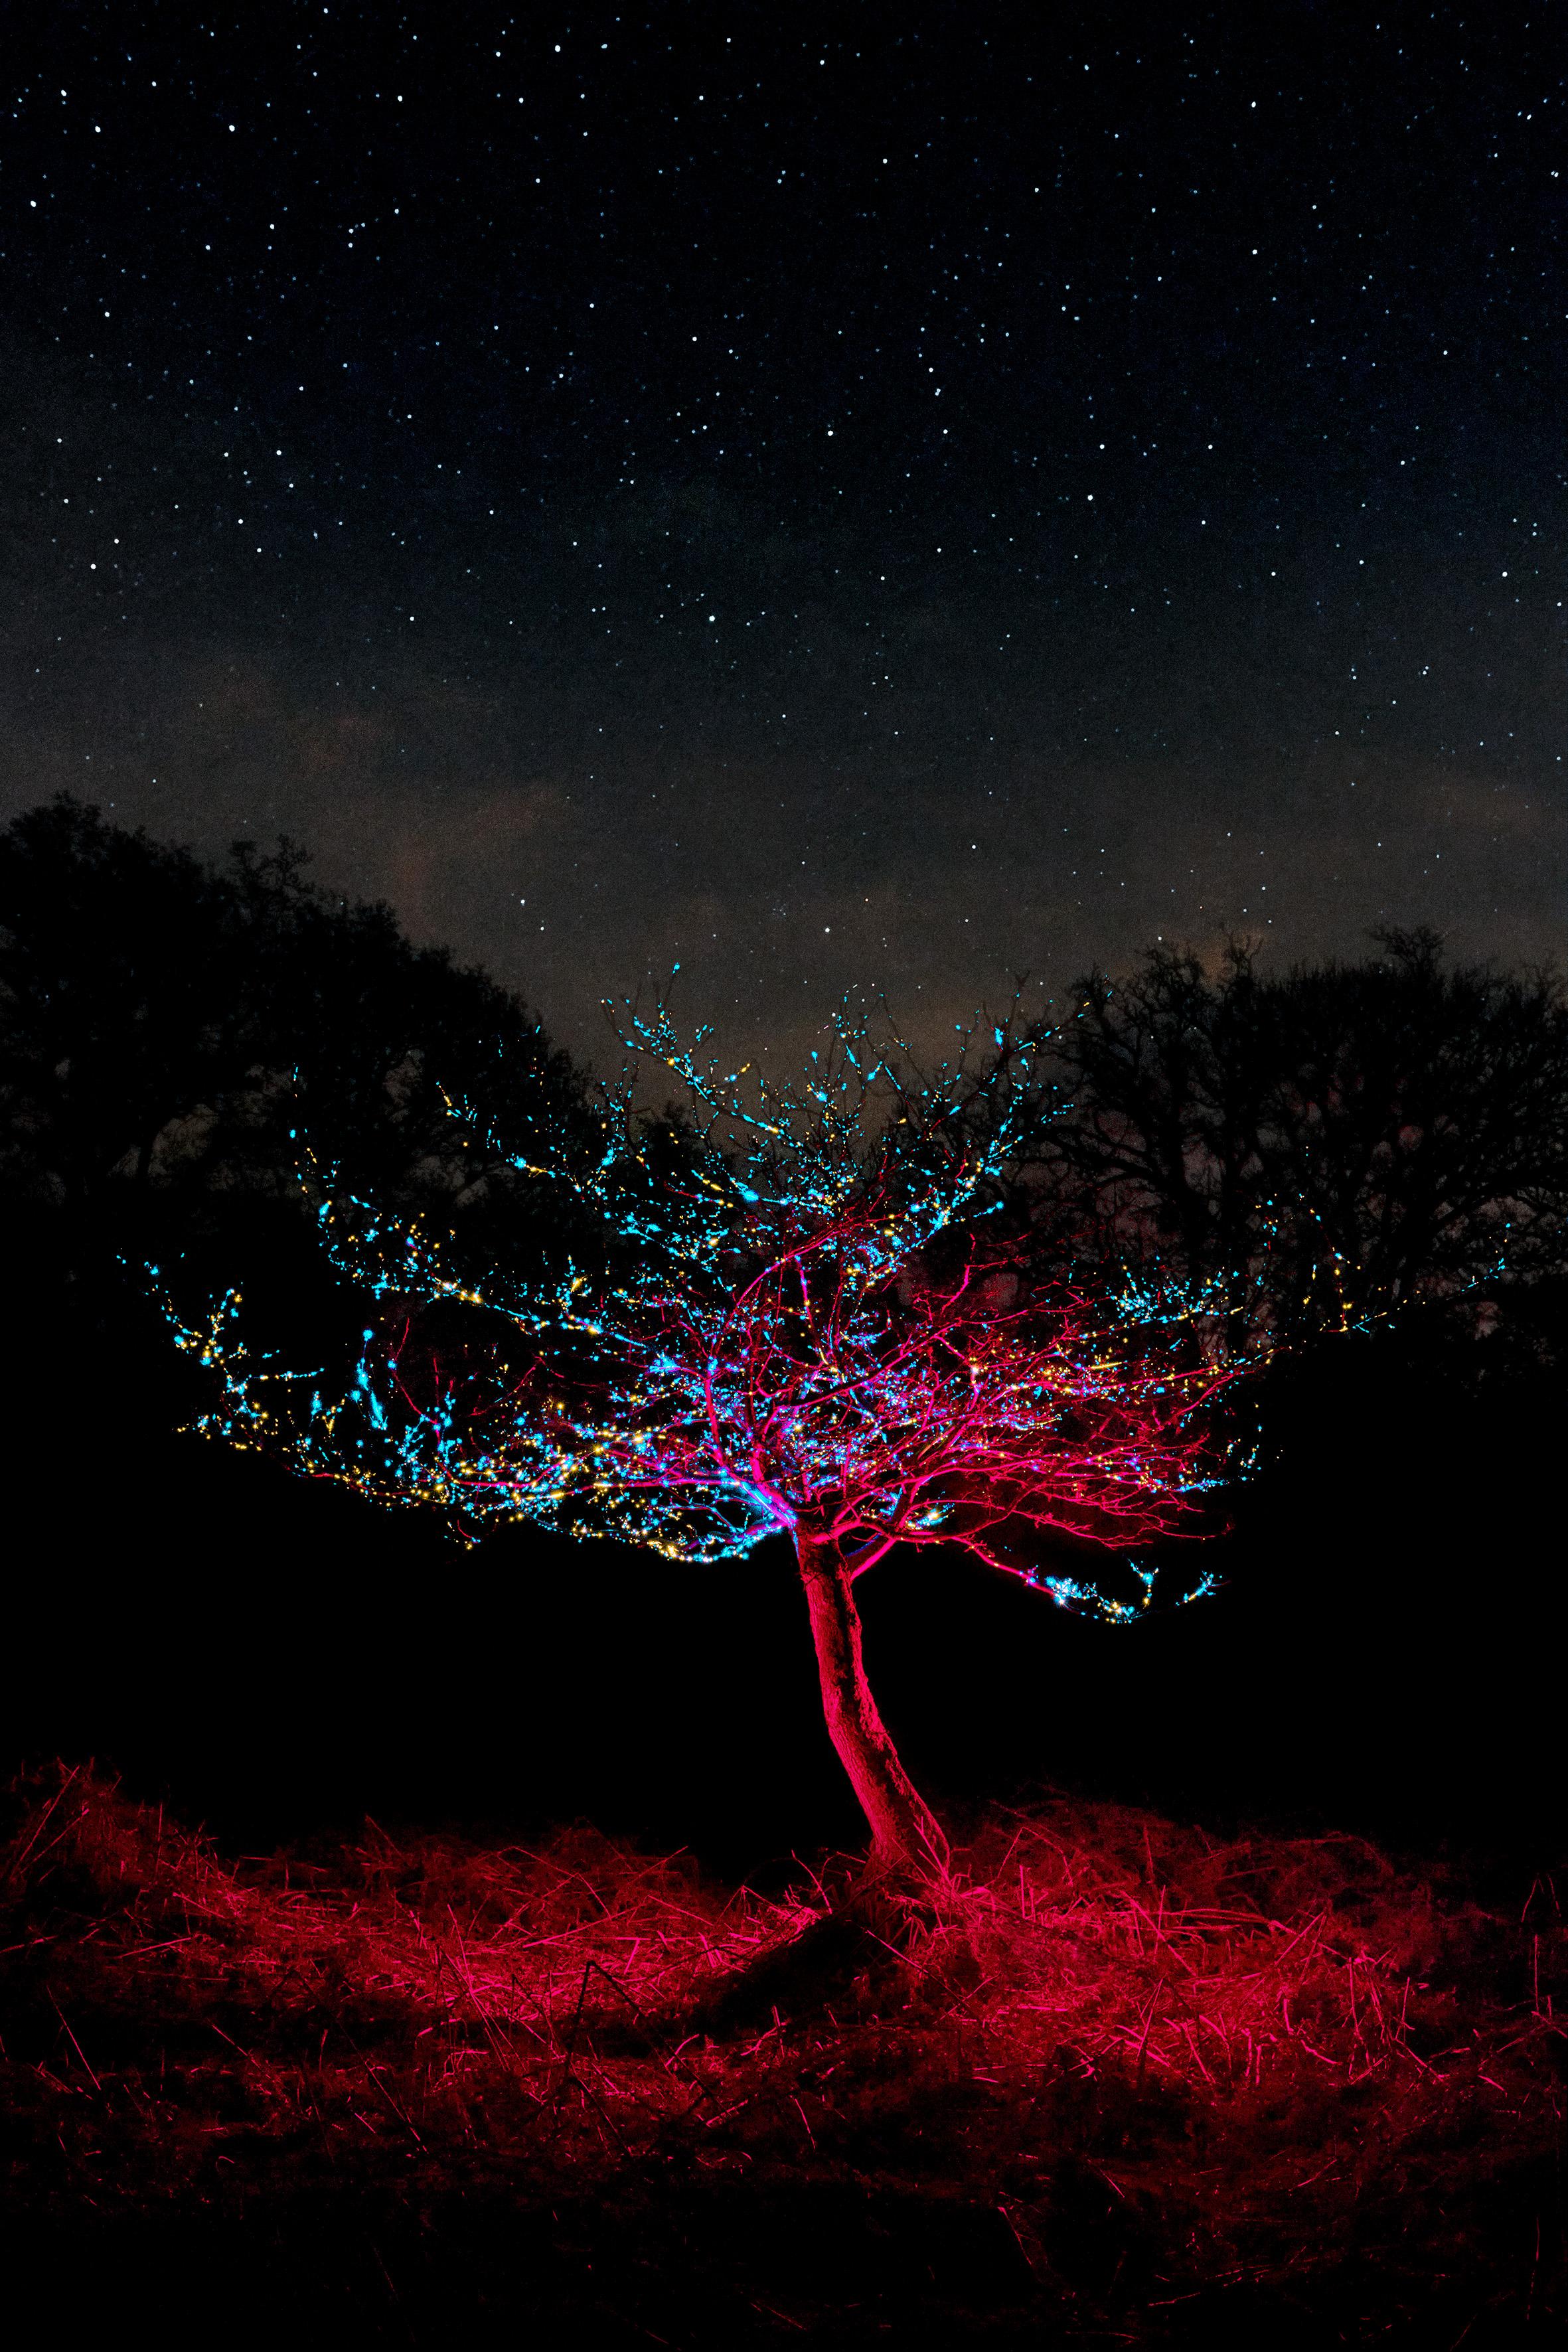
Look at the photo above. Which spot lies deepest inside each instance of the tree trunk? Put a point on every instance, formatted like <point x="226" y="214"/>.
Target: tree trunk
<point x="905" y="1832"/>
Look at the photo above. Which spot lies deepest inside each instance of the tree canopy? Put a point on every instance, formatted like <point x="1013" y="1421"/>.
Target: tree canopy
<point x="1362" y="1135"/>
<point x="813" y="1322"/>
<point x="169" y="1027"/>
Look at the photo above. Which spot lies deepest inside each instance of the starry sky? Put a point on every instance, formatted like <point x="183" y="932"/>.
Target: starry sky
<point x="852" y="498"/>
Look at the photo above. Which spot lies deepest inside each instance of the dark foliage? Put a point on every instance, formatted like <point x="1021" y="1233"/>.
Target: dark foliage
<point x="165" y="1025"/>
<point x="1359" y="1136"/>
<point x="170" y="1035"/>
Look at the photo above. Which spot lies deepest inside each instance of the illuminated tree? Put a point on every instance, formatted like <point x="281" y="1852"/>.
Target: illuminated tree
<point x="818" y="1323"/>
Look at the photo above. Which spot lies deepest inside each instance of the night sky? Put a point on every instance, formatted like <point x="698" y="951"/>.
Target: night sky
<point x="876" y="498"/>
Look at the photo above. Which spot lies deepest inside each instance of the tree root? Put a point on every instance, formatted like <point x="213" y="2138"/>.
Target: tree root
<point x="878" y="1911"/>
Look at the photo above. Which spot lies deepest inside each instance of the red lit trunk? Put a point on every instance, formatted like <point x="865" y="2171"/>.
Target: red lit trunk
<point x="905" y="1832"/>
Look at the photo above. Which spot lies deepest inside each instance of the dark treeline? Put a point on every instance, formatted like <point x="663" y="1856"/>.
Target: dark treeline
<point x="1349" y="1139"/>
<point x="168" y="1030"/>
<point x="1358" y="1136"/>
<point x="1387" y="1135"/>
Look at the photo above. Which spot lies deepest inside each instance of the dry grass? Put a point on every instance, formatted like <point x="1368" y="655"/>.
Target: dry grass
<point x="1130" y="2080"/>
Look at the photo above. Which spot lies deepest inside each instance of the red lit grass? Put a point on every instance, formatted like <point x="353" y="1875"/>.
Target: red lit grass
<point x="1156" y="2066"/>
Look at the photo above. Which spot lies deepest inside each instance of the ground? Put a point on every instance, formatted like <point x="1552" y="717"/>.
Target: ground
<point x="1126" y="2085"/>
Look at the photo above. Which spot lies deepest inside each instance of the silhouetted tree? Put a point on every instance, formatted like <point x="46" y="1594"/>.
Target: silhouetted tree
<point x="1360" y="1135"/>
<point x="168" y="1030"/>
<point x="165" y="1025"/>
